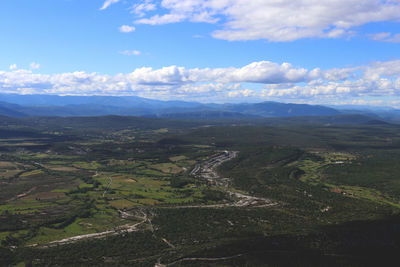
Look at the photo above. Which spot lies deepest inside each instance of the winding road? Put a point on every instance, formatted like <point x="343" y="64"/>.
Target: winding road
<point x="207" y="171"/>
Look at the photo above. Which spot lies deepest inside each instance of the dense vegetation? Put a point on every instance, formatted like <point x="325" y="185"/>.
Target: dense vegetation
<point x="334" y="193"/>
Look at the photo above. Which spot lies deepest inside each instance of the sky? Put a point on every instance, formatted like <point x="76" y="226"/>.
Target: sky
<point x="306" y="51"/>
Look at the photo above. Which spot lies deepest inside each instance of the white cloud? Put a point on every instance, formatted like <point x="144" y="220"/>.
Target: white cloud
<point x="13" y="67"/>
<point x="131" y="53"/>
<point x="34" y="66"/>
<point x="108" y="3"/>
<point x="256" y="72"/>
<point x="380" y="36"/>
<point x="347" y="89"/>
<point x="257" y="80"/>
<point x="337" y="74"/>
<point x="265" y="72"/>
<point x="241" y="93"/>
<point x="164" y="19"/>
<point x="127" y="29"/>
<point x="141" y="9"/>
<point x="386" y="68"/>
<point x="280" y="21"/>
<point x="385" y="37"/>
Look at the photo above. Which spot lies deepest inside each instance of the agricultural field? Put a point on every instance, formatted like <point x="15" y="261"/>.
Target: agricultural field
<point x="90" y="192"/>
<point x="189" y="195"/>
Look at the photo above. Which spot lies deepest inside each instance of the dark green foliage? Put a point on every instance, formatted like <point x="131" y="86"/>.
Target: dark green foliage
<point x="213" y="195"/>
<point x="356" y="244"/>
<point x="83" y="211"/>
<point x="7" y="257"/>
<point x="375" y="169"/>
<point x="261" y="166"/>
<point x="180" y="181"/>
<point x="127" y="249"/>
<point x="10" y="222"/>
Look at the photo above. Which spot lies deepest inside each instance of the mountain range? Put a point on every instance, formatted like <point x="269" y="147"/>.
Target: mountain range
<point x="14" y="105"/>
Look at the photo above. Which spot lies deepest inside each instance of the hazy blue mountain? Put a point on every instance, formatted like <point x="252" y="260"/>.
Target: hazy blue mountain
<point x="362" y="108"/>
<point x="386" y="113"/>
<point x="275" y="109"/>
<point x="11" y="110"/>
<point x="14" y="105"/>
<point x="116" y="101"/>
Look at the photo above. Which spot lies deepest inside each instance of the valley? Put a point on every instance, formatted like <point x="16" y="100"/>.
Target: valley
<point x="191" y="195"/>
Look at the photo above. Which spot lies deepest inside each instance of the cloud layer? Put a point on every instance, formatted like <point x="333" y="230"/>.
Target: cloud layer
<point x="283" y="20"/>
<point x="259" y="80"/>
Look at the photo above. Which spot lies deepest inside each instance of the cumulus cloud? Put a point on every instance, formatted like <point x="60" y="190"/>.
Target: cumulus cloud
<point x="378" y="69"/>
<point x="145" y="80"/>
<point x="256" y="72"/>
<point x="257" y="80"/>
<point x="338" y="90"/>
<point x="108" y="3"/>
<point x="278" y="21"/>
<point x="13" y="67"/>
<point x="127" y="29"/>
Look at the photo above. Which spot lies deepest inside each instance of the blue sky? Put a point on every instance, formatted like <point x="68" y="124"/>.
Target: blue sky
<point x="328" y="52"/>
